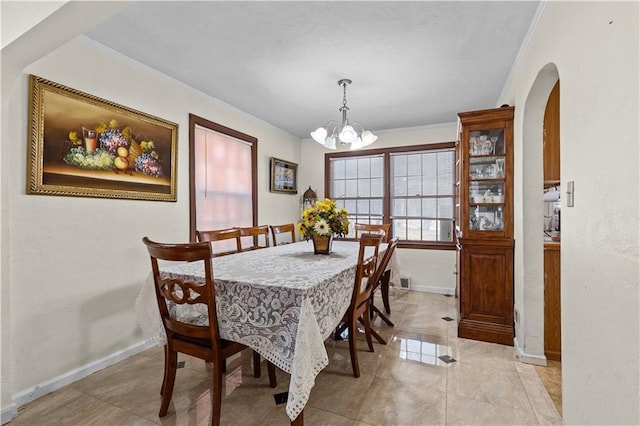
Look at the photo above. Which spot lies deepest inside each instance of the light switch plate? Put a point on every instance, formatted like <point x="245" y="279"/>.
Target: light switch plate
<point x="570" y="194"/>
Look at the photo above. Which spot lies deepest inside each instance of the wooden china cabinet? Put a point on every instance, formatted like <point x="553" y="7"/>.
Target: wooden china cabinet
<point x="484" y="225"/>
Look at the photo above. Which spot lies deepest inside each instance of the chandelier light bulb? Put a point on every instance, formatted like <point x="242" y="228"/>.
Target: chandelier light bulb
<point x="330" y="142"/>
<point x="348" y="134"/>
<point x="368" y="138"/>
<point x="356" y="144"/>
<point x="319" y="135"/>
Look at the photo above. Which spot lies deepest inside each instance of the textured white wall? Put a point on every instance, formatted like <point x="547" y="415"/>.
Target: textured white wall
<point x="27" y="36"/>
<point x="18" y="17"/>
<point x="430" y="270"/>
<point x="76" y="264"/>
<point x="595" y="47"/>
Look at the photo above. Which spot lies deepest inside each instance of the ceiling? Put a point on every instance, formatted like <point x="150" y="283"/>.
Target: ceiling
<point x="412" y="63"/>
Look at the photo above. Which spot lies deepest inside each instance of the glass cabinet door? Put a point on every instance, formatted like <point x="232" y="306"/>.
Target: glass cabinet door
<point x="486" y="142"/>
<point x="486" y="180"/>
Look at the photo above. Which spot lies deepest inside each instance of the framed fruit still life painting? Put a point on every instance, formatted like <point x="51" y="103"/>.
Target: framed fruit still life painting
<point x="85" y="146"/>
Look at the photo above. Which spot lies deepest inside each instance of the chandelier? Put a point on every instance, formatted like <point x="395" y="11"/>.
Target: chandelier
<point x="344" y="132"/>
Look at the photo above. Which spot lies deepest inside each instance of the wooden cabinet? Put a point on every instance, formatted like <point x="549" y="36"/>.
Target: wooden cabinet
<point x="551" y="161"/>
<point x="484" y="224"/>
<point x="551" y="138"/>
<point x="552" y="327"/>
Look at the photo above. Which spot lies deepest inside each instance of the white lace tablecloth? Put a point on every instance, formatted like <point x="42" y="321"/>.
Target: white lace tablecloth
<point x="283" y="302"/>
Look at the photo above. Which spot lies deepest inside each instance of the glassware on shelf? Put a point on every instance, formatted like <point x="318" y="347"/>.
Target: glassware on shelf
<point x="499" y="169"/>
<point x="486" y="147"/>
<point x="499" y="220"/>
<point x="474" y="220"/>
<point x="477" y="197"/>
<point x="489" y="192"/>
<point x="487" y="168"/>
<point x="487" y="218"/>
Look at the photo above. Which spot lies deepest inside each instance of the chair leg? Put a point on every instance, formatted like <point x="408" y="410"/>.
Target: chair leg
<point x="339" y="330"/>
<point x="372" y="331"/>
<point x="382" y="315"/>
<point x="164" y="376"/>
<point x="367" y="328"/>
<point x="378" y="337"/>
<point x="170" y="365"/>
<point x="299" y="421"/>
<point x="272" y="374"/>
<point x="256" y="365"/>
<point x="385" y="291"/>
<point x="216" y="393"/>
<point x="353" y="350"/>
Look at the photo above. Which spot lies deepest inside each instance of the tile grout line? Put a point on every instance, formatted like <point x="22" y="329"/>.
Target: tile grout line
<point x="446" y="385"/>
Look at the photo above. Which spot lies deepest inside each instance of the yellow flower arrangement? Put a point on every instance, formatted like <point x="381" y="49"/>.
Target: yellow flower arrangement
<point x="323" y="219"/>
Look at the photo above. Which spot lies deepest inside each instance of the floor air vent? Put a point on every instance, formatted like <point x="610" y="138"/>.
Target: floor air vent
<point x="405" y="283"/>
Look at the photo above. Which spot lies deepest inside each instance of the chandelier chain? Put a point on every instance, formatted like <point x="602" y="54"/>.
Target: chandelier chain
<point x="344" y="96"/>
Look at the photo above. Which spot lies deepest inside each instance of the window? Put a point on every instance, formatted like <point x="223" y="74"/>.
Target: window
<point x="357" y="185"/>
<point x="422" y="195"/>
<point x="410" y="187"/>
<point x="222" y="177"/>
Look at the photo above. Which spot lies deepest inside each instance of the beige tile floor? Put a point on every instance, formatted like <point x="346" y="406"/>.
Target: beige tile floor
<point x="551" y="376"/>
<point x="403" y="382"/>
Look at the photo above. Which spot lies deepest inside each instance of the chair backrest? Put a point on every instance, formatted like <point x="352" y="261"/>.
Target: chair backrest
<point x="384" y="261"/>
<point x="382" y="228"/>
<point x="255" y="232"/>
<point x="366" y="269"/>
<point x="221" y="235"/>
<point x="181" y="291"/>
<point x="283" y="229"/>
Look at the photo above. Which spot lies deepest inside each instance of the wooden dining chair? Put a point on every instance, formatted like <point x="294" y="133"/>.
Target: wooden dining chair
<point x="358" y="310"/>
<point x="383" y="284"/>
<point x="221" y="235"/>
<point x="283" y="229"/>
<point x="384" y="229"/>
<point x="381" y="228"/>
<point x="198" y="337"/>
<point x="257" y="233"/>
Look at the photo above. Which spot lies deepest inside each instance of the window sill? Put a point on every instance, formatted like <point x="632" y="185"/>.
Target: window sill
<point x="427" y="245"/>
<point x="420" y="245"/>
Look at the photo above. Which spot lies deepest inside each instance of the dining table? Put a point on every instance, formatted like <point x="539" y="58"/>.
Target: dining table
<point x="283" y="302"/>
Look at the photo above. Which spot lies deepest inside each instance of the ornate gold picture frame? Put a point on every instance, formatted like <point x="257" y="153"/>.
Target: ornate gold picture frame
<point x="81" y="145"/>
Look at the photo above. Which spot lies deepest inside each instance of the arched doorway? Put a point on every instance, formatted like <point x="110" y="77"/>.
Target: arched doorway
<point x="529" y="274"/>
<point x="539" y="266"/>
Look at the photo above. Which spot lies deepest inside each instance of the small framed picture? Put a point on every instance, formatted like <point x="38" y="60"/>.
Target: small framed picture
<point x="284" y="176"/>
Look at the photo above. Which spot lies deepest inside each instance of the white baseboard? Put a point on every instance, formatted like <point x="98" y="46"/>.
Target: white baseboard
<point x="8" y="413"/>
<point x="28" y="395"/>
<point x="438" y="290"/>
<point x="528" y="358"/>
